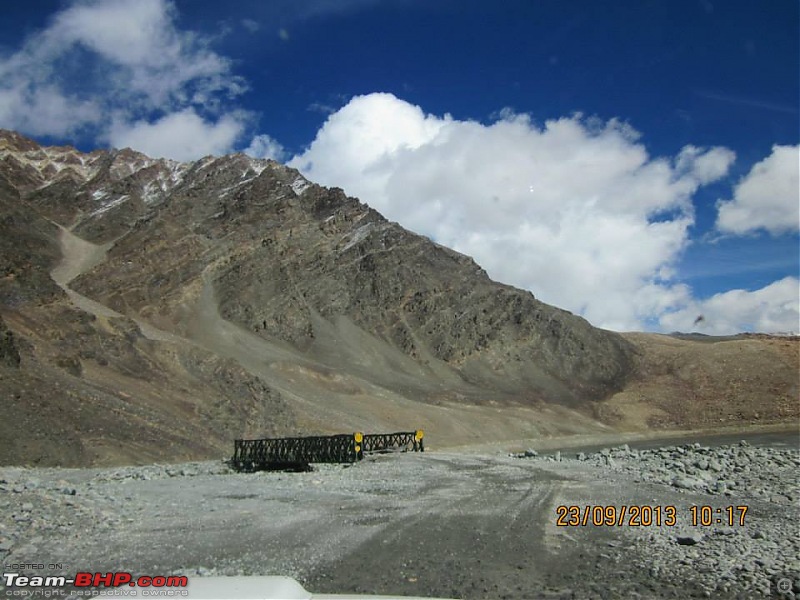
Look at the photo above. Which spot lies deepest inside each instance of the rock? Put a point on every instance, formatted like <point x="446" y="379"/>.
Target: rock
<point x="530" y="453"/>
<point x="689" y="540"/>
<point x="717" y="487"/>
<point x="685" y="483"/>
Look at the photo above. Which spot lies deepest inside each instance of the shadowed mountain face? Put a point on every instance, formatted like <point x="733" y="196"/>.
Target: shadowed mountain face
<point x="176" y="306"/>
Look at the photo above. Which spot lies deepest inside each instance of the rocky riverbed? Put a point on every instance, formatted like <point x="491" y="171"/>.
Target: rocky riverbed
<point x="750" y="551"/>
<point x="434" y="524"/>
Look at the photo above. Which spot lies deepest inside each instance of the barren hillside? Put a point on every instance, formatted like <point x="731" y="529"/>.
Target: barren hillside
<point x="154" y="310"/>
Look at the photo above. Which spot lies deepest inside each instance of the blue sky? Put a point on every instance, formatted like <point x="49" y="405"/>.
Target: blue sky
<point x="635" y="162"/>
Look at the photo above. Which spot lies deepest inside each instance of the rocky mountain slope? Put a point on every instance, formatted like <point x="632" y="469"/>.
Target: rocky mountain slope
<point x="155" y="310"/>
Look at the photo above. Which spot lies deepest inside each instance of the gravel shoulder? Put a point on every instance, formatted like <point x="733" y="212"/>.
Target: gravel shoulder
<point x="433" y="524"/>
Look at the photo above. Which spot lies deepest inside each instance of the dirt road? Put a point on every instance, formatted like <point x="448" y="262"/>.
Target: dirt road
<point x="433" y="524"/>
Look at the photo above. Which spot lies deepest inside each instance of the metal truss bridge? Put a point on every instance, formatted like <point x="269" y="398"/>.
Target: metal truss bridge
<point x="298" y="452"/>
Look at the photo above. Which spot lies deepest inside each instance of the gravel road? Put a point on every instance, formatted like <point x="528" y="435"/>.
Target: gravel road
<point x="437" y="524"/>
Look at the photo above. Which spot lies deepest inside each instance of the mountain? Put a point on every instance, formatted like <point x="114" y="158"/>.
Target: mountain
<point x="156" y="310"/>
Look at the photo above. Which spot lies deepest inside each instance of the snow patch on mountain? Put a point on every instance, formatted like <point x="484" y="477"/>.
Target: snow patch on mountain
<point x="300" y="185"/>
<point x="170" y="175"/>
<point x="50" y="163"/>
<point x="109" y="205"/>
<point x="359" y="235"/>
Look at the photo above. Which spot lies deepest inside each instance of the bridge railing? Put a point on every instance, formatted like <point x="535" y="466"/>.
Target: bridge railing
<point x="298" y="452"/>
<point x="392" y="442"/>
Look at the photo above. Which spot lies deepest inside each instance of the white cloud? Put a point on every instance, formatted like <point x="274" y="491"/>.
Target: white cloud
<point x="181" y="135"/>
<point x="264" y="146"/>
<point x="154" y="61"/>
<point x="707" y="166"/>
<point x="348" y="150"/>
<point x="100" y="62"/>
<point x="43" y="109"/>
<point x="131" y="34"/>
<point x="574" y="210"/>
<point x="772" y="309"/>
<point x="251" y="25"/>
<point x="767" y="198"/>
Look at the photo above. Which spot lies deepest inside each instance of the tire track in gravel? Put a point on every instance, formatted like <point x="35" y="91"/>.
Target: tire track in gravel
<point x="481" y="534"/>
